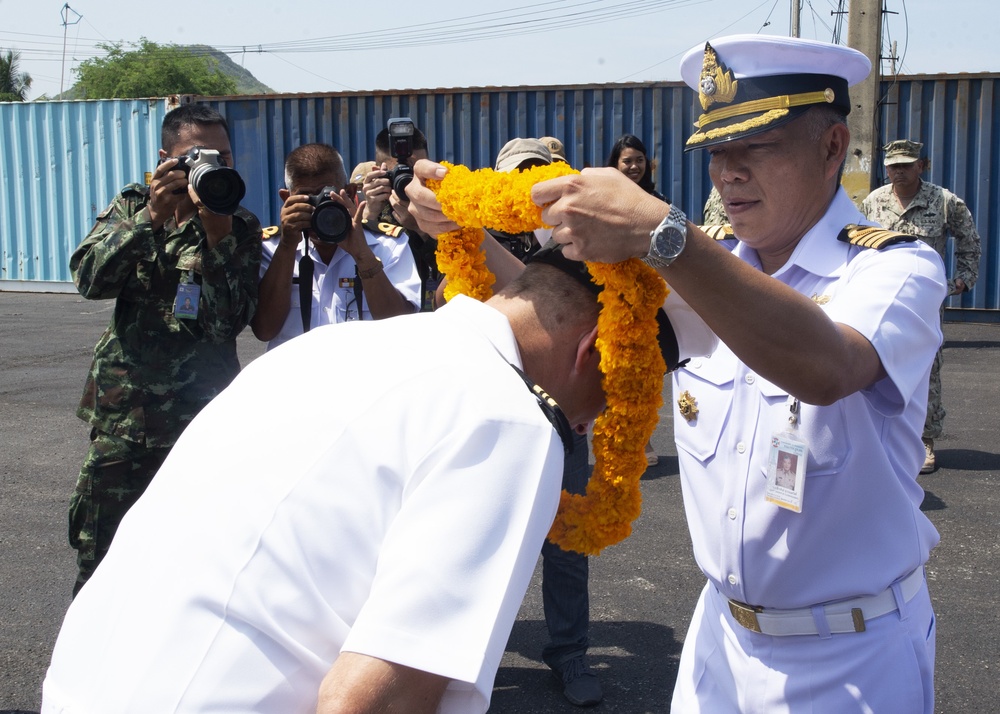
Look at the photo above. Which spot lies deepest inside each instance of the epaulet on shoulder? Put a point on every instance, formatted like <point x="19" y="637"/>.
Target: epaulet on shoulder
<point x="390" y="229"/>
<point x="269" y="232"/>
<point x="872" y="236"/>
<point x="135" y="189"/>
<point x="718" y="232"/>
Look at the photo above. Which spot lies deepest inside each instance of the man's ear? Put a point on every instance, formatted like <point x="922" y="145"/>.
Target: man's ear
<point x="586" y="351"/>
<point x="838" y="138"/>
<point x="283" y="194"/>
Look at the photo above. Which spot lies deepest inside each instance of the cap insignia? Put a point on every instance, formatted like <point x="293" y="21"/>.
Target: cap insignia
<point x="716" y="83"/>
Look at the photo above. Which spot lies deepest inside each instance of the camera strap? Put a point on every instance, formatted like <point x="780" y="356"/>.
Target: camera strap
<point x="358" y="291"/>
<point x="551" y="411"/>
<point x="306" y="269"/>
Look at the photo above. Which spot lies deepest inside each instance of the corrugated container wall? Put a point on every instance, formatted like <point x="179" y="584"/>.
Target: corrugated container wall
<point x="954" y="115"/>
<point x="60" y="164"/>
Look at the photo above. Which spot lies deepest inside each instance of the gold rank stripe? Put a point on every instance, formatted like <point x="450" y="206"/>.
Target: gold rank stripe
<point x="718" y="232"/>
<point x="872" y="237"/>
<point x="269" y="232"/>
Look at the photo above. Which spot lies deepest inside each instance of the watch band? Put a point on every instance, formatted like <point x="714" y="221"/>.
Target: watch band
<point x="676" y="221"/>
<point x="372" y="271"/>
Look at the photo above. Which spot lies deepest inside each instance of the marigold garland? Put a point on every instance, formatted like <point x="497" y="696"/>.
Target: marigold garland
<point x="627" y="330"/>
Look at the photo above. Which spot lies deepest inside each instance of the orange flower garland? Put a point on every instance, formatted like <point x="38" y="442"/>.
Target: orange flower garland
<point x="631" y="361"/>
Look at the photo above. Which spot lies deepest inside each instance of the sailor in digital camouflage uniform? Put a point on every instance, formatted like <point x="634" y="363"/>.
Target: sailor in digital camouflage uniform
<point x="157" y="364"/>
<point x="815" y="598"/>
<point x="910" y="205"/>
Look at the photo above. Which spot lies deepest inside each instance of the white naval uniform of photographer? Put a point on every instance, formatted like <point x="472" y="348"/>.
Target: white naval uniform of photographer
<point x="333" y="294"/>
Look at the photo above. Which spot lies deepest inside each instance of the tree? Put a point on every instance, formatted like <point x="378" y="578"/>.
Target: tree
<point x="14" y="84"/>
<point x="149" y="70"/>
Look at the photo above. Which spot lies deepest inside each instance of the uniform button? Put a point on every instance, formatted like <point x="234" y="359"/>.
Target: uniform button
<point x="694" y="364"/>
<point x="741" y="447"/>
<point x="750" y="379"/>
<point x="732" y="514"/>
<point x="733" y="579"/>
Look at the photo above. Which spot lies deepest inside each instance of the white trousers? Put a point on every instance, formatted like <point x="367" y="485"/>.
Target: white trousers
<point x="887" y="669"/>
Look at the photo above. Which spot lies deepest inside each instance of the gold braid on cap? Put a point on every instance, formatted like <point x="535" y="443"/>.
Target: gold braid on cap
<point x="773" y="108"/>
<point x="716" y="83"/>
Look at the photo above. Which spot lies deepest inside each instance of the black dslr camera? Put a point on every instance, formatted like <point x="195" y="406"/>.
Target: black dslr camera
<point x="220" y="188"/>
<point x="400" y="148"/>
<point x="331" y="222"/>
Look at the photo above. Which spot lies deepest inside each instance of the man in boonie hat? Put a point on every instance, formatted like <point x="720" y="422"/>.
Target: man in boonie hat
<point x="815" y="596"/>
<point x="932" y="213"/>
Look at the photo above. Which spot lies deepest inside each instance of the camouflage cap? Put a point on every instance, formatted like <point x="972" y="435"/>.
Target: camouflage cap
<point x="902" y="151"/>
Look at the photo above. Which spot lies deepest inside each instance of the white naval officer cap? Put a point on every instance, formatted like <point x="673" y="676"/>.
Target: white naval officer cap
<point x="749" y="84"/>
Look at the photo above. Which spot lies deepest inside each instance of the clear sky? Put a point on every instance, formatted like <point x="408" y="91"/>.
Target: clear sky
<point x="332" y="45"/>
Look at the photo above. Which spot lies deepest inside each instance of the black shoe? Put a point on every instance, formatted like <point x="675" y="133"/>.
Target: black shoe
<point x="580" y="684"/>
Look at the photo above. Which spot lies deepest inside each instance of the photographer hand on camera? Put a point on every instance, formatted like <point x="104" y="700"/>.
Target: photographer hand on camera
<point x="397" y="148"/>
<point x="327" y="217"/>
<point x="172" y="190"/>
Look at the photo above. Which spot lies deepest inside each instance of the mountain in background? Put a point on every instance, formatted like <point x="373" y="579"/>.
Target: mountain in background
<point x="246" y="83"/>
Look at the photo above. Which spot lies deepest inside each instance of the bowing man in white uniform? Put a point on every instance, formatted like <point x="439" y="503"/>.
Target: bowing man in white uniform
<point x="815" y="597"/>
<point x="321" y="266"/>
<point x="340" y="546"/>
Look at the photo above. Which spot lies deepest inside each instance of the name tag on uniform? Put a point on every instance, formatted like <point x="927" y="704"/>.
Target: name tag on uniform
<point x="786" y="464"/>
<point x="786" y="471"/>
<point x="186" y="302"/>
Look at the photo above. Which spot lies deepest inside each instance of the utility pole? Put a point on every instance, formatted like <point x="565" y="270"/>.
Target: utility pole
<point x="64" y="14"/>
<point x="794" y="22"/>
<point x="864" y="33"/>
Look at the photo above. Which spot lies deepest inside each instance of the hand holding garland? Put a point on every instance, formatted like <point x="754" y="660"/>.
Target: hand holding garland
<point x="631" y="361"/>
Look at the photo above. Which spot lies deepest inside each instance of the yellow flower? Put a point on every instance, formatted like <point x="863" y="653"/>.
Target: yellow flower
<point x="627" y="330"/>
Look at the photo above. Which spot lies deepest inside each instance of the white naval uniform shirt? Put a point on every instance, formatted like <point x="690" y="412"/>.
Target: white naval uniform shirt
<point x="861" y="527"/>
<point x="333" y="294"/>
<point x="398" y="513"/>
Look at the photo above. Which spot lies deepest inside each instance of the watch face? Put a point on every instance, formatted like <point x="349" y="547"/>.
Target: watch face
<point x="669" y="242"/>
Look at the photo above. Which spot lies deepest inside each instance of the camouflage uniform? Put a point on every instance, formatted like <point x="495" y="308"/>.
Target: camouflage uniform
<point x="714" y="213"/>
<point x="152" y="372"/>
<point x="932" y="214"/>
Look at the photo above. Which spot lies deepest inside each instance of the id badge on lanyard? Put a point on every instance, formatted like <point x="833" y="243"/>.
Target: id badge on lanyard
<point x="186" y="302"/>
<point x="786" y="463"/>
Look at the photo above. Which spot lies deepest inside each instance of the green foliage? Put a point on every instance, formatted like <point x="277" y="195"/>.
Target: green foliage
<point x="14" y="84"/>
<point x="150" y="70"/>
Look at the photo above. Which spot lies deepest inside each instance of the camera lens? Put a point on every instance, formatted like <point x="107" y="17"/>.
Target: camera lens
<point x="400" y="178"/>
<point x="331" y="222"/>
<point x="220" y="188"/>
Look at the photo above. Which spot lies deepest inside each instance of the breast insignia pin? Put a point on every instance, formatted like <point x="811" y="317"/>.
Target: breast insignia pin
<point x="688" y="406"/>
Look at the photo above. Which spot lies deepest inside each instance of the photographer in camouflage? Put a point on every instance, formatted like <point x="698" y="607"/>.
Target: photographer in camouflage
<point x="162" y="358"/>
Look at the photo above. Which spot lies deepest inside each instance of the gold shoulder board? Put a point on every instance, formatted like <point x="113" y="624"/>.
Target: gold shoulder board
<point x="872" y="236"/>
<point x="718" y="232"/>
<point x="270" y="232"/>
<point x="390" y="229"/>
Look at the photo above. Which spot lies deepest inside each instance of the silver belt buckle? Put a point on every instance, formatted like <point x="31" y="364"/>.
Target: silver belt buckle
<point x="745" y="614"/>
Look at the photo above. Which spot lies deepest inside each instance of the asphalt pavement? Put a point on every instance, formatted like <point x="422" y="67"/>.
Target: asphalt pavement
<point x="642" y="590"/>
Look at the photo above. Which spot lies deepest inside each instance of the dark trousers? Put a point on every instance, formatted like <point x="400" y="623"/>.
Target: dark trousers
<point x="565" y="595"/>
